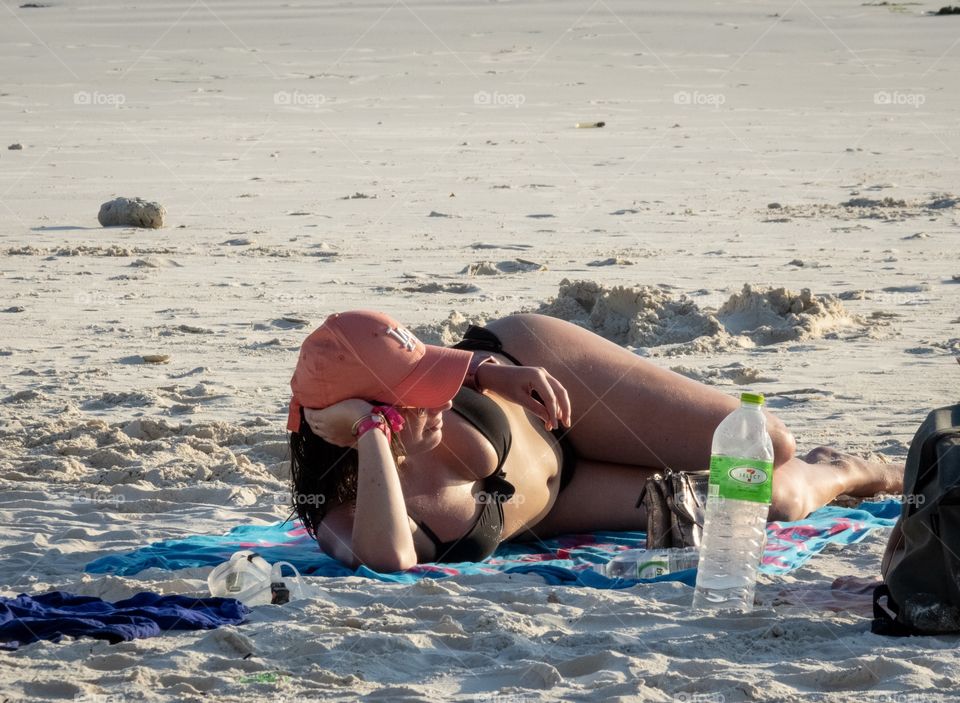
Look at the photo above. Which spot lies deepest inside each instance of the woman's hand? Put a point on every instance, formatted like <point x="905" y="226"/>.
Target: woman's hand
<point x="334" y="424"/>
<point x="519" y="383"/>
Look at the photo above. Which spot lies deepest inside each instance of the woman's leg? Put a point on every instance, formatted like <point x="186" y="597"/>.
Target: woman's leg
<point x="629" y="412"/>
<point x="801" y="486"/>
<point x="603" y="496"/>
<point x="626" y="410"/>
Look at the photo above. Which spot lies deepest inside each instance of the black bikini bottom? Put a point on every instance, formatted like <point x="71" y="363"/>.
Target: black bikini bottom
<point x="482" y="339"/>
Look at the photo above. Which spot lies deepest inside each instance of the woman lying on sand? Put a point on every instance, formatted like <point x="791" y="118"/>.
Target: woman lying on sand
<point x="529" y="428"/>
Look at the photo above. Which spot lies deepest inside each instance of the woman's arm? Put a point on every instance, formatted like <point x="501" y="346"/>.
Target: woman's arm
<point x="380" y="536"/>
<point x="530" y="386"/>
<point x="335" y="535"/>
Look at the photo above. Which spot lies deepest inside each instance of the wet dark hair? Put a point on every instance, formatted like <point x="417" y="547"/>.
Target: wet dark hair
<point x="322" y="475"/>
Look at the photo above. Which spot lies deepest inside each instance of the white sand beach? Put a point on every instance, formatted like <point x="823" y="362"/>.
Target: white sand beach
<point x="422" y="158"/>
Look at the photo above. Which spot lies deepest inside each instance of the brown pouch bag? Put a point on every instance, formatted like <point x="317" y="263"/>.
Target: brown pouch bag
<point x="675" y="502"/>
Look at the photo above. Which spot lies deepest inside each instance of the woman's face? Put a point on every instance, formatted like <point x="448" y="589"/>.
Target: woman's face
<point x="422" y="429"/>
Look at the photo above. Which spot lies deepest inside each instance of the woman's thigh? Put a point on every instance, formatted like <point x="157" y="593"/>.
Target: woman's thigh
<point x="626" y="409"/>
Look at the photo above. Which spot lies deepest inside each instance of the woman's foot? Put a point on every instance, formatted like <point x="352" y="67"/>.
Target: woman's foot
<point x="861" y="478"/>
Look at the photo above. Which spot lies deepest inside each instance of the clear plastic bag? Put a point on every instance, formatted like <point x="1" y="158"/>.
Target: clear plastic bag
<point x="251" y="579"/>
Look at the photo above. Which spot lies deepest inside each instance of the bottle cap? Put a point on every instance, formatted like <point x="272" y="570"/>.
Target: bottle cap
<point x="752" y="398"/>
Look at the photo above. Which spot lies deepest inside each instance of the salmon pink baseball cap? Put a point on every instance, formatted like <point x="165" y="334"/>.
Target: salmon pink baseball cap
<point x="368" y="355"/>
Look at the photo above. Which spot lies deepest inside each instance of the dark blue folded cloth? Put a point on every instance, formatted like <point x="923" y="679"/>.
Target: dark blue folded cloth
<point x="49" y="616"/>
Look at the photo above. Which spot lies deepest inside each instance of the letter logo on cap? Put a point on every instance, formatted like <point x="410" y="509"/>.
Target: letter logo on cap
<point x="405" y="338"/>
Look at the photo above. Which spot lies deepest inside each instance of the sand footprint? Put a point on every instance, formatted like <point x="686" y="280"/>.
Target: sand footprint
<point x="456" y="288"/>
<point x="515" y="247"/>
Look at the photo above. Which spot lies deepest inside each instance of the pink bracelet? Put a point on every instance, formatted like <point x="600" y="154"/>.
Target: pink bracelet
<point x="392" y="417"/>
<point x="369" y="422"/>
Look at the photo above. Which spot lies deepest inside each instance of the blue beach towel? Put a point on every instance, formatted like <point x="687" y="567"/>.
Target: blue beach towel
<point x="52" y="615"/>
<point x="564" y="560"/>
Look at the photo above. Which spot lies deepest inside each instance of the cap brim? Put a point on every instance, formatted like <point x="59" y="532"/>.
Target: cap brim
<point x="435" y="379"/>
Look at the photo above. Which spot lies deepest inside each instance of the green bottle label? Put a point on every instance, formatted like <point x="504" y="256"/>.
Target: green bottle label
<point x="741" y="479"/>
<point x="652" y="569"/>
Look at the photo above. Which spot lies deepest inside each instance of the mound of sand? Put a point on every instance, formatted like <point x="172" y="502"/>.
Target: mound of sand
<point x="94" y="456"/>
<point x="449" y="331"/>
<point x="769" y="316"/>
<point x="731" y="374"/>
<point x="641" y="316"/>
<point x="644" y="316"/>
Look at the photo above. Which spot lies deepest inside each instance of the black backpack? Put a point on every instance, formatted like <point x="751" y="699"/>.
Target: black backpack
<point x="923" y="587"/>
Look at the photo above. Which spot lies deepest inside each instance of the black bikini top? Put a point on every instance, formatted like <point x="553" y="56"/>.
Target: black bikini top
<point x="482" y="539"/>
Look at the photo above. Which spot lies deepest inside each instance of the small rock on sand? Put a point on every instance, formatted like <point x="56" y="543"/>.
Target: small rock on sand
<point x="941" y="202"/>
<point x="612" y="261"/>
<point x="131" y="212"/>
<point x="155" y="358"/>
<point x="22" y="397"/>
<point x="288" y="322"/>
<point x="873" y="203"/>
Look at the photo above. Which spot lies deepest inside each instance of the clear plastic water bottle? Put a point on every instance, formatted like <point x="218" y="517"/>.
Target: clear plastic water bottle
<point x="734" y="531"/>
<point x="649" y="563"/>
